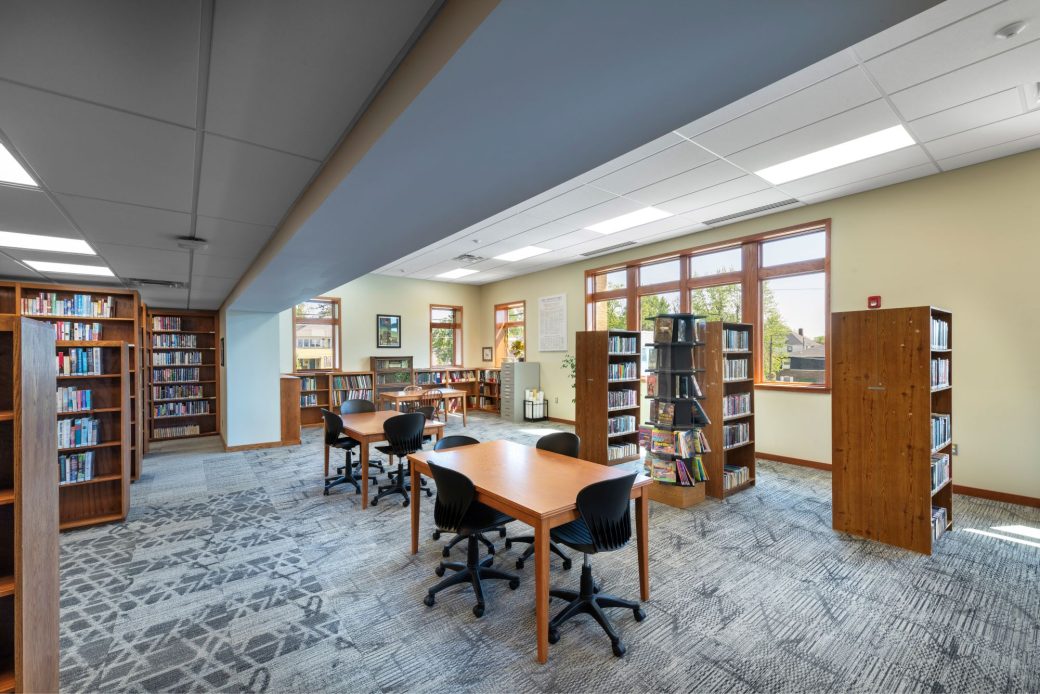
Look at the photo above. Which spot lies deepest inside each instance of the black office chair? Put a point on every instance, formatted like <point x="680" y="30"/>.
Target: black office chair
<point x="334" y="438"/>
<point x="458" y="511"/>
<point x="404" y="436"/>
<point x="428" y="412"/>
<point x="604" y="525"/>
<point x="454" y="442"/>
<point x="360" y="407"/>
<point x="564" y="443"/>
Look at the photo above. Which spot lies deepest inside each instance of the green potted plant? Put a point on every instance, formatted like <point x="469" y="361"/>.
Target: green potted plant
<point x="516" y="348"/>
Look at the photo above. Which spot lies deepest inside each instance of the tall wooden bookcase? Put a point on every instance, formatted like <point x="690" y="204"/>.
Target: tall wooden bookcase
<point x="607" y="395"/>
<point x="489" y="395"/>
<point x="882" y="404"/>
<point x="28" y="506"/>
<point x="729" y="373"/>
<point x="182" y="344"/>
<point x="328" y="389"/>
<point x="391" y="373"/>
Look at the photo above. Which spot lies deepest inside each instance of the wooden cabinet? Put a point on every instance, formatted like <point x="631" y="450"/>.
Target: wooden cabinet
<point x="182" y="373"/>
<point x="729" y="402"/>
<point x="606" y="386"/>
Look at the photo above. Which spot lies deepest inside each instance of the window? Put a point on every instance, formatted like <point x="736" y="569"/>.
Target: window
<point x="777" y="281"/>
<point x="445" y="336"/>
<point x="316" y="335"/>
<point x="510" y="327"/>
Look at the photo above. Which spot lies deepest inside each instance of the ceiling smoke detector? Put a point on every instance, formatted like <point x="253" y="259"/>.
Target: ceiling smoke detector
<point x="1010" y="31"/>
<point x="190" y="243"/>
<point x="468" y="258"/>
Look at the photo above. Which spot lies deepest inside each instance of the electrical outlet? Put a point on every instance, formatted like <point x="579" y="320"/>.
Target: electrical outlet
<point x="953" y="449"/>
<point x="556" y="401"/>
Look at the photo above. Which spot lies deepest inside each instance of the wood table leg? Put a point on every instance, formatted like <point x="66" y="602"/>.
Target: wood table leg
<point x="364" y="473"/>
<point x="416" y="496"/>
<point x="326" y="462"/>
<point x="642" y="541"/>
<point x="541" y="588"/>
<point x="463" y="410"/>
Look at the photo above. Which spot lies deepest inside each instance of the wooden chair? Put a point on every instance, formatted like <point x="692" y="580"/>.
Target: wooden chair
<point x="434" y="398"/>
<point x="412" y="405"/>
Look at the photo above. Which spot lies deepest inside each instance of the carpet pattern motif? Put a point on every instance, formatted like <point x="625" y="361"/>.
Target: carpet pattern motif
<point x="234" y="573"/>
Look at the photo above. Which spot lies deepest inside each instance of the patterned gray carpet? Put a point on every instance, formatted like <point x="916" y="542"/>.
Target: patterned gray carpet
<point x="234" y="573"/>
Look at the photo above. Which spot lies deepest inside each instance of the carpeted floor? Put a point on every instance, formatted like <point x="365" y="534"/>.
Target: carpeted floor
<point x="234" y="573"/>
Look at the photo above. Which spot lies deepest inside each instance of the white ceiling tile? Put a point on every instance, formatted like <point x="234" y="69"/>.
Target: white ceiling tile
<point x="966" y="116"/>
<point x="98" y="152"/>
<point x="692" y="203"/>
<point x="930" y="20"/>
<point x="153" y="264"/>
<point x="29" y="211"/>
<point x="11" y="269"/>
<point x="568" y="203"/>
<point x="676" y="159"/>
<point x="209" y="287"/>
<point x="600" y="213"/>
<point x="228" y="267"/>
<point x="505" y="229"/>
<point x="744" y="202"/>
<point x="164" y="297"/>
<point x="247" y="183"/>
<point x="711" y="174"/>
<point x="858" y="171"/>
<point x="642" y="152"/>
<point x="233" y="239"/>
<point x="569" y="239"/>
<point x="839" y="93"/>
<point x="871" y="183"/>
<point x="1005" y="149"/>
<point x="112" y="222"/>
<point x="1003" y="131"/>
<point x="1009" y="69"/>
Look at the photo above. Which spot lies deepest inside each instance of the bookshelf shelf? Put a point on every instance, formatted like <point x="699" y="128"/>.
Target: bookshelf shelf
<point x="6" y="496"/>
<point x="184" y="341"/>
<point x="6" y="416"/>
<point x="6" y="586"/>
<point x="329" y="389"/>
<point x="94" y="480"/>
<point x="733" y="461"/>
<point x="601" y="353"/>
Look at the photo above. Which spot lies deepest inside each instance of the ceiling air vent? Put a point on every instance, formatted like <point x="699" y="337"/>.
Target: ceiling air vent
<point x="608" y="249"/>
<point x="753" y="210"/>
<point x="468" y="258"/>
<point x="139" y="282"/>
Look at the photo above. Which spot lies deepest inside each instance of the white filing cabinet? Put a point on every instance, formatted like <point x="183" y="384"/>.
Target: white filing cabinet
<point x="517" y="376"/>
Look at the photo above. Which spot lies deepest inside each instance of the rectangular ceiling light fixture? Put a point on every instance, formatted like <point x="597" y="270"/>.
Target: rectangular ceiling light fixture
<point x="69" y="268"/>
<point x="457" y="273"/>
<point x="36" y="242"/>
<point x="522" y="253"/>
<point x="13" y="172"/>
<point x="627" y="221"/>
<point x="887" y="140"/>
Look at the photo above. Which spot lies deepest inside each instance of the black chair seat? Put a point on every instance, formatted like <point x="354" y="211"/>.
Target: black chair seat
<point x="481" y="518"/>
<point x="575" y="535"/>
<point x="345" y="442"/>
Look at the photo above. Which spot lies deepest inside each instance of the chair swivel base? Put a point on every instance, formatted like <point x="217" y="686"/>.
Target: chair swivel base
<point x="343" y="478"/>
<point x="399" y="484"/>
<point x="446" y="552"/>
<point x="474" y="572"/>
<point x="587" y="601"/>
<point x="529" y="552"/>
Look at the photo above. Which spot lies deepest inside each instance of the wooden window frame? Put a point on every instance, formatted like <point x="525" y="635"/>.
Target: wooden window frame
<point x="504" y="328"/>
<point x="457" y="357"/>
<point x="750" y="277"/>
<point x="337" y="341"/>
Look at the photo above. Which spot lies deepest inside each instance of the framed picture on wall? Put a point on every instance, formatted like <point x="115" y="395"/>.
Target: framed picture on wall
<point x="488" y="354"/>
<point x="388" y="331"/>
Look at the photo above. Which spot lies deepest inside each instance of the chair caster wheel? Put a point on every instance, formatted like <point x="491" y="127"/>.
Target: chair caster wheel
<point x="428" y="601"/>
<point x="436" y="534"/>
<point x="501" y="532"/>
<point x="618" y="648"/>
<point x="375" y="502"/>
<point x="509" y="543"/>
<point x="595" y="588"/>
<point x="478" y="611"/>
<point x="326" y="492"/>
<point x="429" y="492"/>
<point x="491" y="550"/>
<point x="519" y="563"/>
<point x="439" y="571"/>
<point x="554" y="636"/>
<point x="404" y="504"/>
<point x="445" y="552"/>
<point x="639" y="614"/>
<point x="566" y="564"/>
<point x="514" y="584"/>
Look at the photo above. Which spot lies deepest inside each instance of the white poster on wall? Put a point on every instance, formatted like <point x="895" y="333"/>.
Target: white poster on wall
<point x="552" y="323"/>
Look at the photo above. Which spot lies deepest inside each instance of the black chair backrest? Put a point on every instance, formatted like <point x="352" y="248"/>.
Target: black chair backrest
<point x="455" y="494"/>
<point x="562" y="442"/>
<point x="426" y="411"/>
<point x="605" y="508"/>
<point x="454" y="441"/>
<point x="357" y="406"/>
<point x="404" y="433"/>
<point x="333" y="426"/>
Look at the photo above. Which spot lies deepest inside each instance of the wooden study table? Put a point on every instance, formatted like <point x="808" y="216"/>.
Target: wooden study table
<point x="396" y="397"/>
<point x="538" y="488"/>
<point x="367" y="428"/>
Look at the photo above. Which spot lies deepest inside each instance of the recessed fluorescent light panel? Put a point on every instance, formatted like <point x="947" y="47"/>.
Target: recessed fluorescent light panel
<point x="10" y="239"/>
<point x="522" y="253"/>
<point x="887" y="140"/>
<point x="11" y="171"/>
<point x="457" y="273"/>
<point x="69" y="268"/>
<point x="627" y="221"/>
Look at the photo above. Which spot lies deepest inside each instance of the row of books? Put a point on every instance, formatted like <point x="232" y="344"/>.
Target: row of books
<point x="82" y="431"/>
<point x="622" y="398"/>
<point x="942" y="430"/>
<point x="180" y="409"/>
<point x="488" y="403"/>
<point x="72" y="399"/>
<point x="309" y="383"/>
<point x="79" y="361"/>
<point x="182" y="392"/>
<point x="684" y="473"/>
<point x="684" y="442"/>
<point x="682" y="386"/>
<point x="81" y="305"/>
<point x="395" y="378"/>
<point x="733" y="339"/>
<point x="734" y="369"/>
<point x="678" y="329"/>
<point x="735" y="434"/>
<point x="75" y="467"/>
<point x="674" y="359"/>
<point x="940" y="334"/>
<point x="338" y="396"/>
<point x="736" y="403"/>
<point x="617" y="451"/>
<point x="166" y="322"/>
<point x="734" y="476"/>
<point x="618" y="344"/>
<point x="175" y="432"/>
<point x="939" y="522"/>
<point x="309" y="400"/>
<point x="362" y="382"/>
<point x="391" y="363"/>
<point x="940" y="372"/>
<point x="490" y="375"/>
<point x="171" y="340"/>
<point x="621" y="424"/>
<point x="622" y="370"/>
<point x="170" y="358"/>
<point x="65" y="330"/>
<point x="940" y="470"/>
<point x="168" y="375"/>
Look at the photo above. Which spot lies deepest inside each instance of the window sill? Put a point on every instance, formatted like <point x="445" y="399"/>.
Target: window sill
<point x="793" y="388"/>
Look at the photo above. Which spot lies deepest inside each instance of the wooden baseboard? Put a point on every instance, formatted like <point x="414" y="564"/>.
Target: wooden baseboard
<point x="255" y="446"/>
<point x="561" y="421"/>
<point x="997" y="496"/>
<point x="793" y="461"/>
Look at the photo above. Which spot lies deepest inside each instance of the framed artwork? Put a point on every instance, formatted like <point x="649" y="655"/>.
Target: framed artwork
<point x="488" y="354"/>
<point x="388" y="331"/>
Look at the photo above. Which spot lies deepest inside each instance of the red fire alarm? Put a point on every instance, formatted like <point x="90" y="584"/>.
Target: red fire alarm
<point x="873" y="302"/>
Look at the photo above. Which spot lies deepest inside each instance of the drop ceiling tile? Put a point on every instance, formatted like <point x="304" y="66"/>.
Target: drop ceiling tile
<point x="744" y="202"/>
<point x="93" y="151"/>
<point x="112" y="222"/>
<point x="1005" y="149"/>
<point x="11" y="269"/>
<point x="210" y="287"/>
<point x="224" y="266"/>
<point x="858" y="171"/>
<point x="674" y="160"/>
<point x="601" y="213"/>
<point x="932" y="19"/>
<point x="849" y="125"/>
<point x="29" y="211"/>
<point x="1003" y="131"/>
<point x="233" y="239"/>
<point x="145" y="263"/>
<point x="570" y="239"/>
<point x="568" y="203"/>
<point x="164" y="297"/>
<point x="872" y="183"/>
<point x="247" y="183"/>
<point x="507" y="228"/>
<point x="141" y="57"/>
<point x="692" y="203"/>
<point x="982" y="111"/>
<point x="649" y="149"/>
<point x="839" y="93"/>
<point x="711" y="174"/>
<point x="1003" y="71"/>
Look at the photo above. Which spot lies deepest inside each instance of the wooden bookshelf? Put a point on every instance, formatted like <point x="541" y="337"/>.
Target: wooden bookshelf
<point x="391" y="373"/>
<point x="315" y="395"/>
<point x="350" y="385"/>
<point x="137" y="422"/>
<point x="489" y="390"/>
<point x="456" y="377"/>
<point x="28" y="505"/>
<point x="596" y="385"/>
<point x="718" y="385"/>
<point x="882" y="404"/>
<point x="143" y="391"/>
<point x="175" y="339"/>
